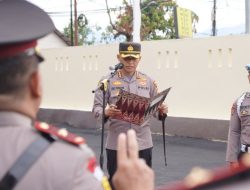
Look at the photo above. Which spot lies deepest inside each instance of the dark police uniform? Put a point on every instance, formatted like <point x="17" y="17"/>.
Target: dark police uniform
<point x="35" y="155"/>
<point x="239" y="129"/>
<point x="140" y="84"/>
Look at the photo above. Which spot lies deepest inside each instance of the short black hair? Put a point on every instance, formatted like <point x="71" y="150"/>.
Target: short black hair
<point x="15" y="72"/>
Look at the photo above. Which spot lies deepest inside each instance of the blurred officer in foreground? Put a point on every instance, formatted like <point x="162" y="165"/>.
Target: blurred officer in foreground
<point x="34" y="156"/>
<point x="37" y="156"/>
<point x="133" y="81"/>
<point x="239" y="129"/>
<point x="224" y="178"/>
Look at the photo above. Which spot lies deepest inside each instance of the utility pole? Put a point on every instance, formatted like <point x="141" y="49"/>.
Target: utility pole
<point x="76" y="23"/>
<point x="247" y="21"/>
<point x="214" y="19"/>
<point x="71" y="24"/>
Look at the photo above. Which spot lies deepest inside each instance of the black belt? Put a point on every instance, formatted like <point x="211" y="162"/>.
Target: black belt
<point x="25" y="161"/>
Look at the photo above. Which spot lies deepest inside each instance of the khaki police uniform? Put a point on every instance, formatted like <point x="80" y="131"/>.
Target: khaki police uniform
<point x="239" y="128"/>
<point x="62" y="166"/>
<point x="140" y="84"/>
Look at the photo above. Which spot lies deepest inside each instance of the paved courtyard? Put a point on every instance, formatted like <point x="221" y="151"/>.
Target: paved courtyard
<point x="182" y="154"/>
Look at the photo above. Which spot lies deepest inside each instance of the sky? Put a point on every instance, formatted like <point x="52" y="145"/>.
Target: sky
<point x="230" y="14"/>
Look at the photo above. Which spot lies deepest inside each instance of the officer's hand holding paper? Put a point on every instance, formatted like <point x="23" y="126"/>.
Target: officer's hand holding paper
<point x="135" y="109"/>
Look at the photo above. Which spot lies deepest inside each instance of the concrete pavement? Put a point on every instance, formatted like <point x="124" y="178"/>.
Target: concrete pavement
<point x="183" y="154"/>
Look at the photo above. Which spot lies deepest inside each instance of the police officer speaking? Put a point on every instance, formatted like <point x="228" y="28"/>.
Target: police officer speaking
<point x="129" y="79"/>
<point x="239" y="131"/>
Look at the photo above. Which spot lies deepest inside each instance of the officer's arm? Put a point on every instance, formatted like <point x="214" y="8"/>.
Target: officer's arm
<point x="97" y="109"/>
<point x="233" y="136"/>
<point x="88" y="175"/>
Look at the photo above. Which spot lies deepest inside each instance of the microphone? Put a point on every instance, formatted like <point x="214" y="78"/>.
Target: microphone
<point x="116" y="67"/>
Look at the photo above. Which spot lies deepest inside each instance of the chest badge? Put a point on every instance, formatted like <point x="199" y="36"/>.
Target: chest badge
<point x="143" y="81"/>
<point x="243" y="112"/>
<point x="117" y="83"/>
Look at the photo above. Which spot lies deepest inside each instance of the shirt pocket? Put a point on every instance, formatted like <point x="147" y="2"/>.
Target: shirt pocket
<point x="245" y="115"/>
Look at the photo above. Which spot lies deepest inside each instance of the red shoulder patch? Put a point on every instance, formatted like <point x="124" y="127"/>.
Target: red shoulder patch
<point x="60" y="133"/>
<point x="92" y="165"/>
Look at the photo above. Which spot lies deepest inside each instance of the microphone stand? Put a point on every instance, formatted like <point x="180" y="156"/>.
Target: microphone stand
<point x="163" y="135"/>
<point x="103" y="87"/>
<point x="103" y="122"/>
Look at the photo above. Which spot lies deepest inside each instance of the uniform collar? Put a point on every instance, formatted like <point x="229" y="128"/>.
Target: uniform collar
<point x="8" y="118"/>
<point x="120" y="75"/>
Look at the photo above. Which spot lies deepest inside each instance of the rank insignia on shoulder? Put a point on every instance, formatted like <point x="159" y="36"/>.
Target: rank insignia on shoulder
<point x="61" y="133"/>
<point x="155" y="85"/>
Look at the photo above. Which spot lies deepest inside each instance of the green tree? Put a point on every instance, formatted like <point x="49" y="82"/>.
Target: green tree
<point x="85" y="34"/>
<point x="157" y="20"/>
<point x="107" y="36"/>
<point x="67" y="32"/>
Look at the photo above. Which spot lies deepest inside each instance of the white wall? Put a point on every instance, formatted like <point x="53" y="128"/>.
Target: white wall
<point x="51" y="41"/>
<point x="207" y="75"/>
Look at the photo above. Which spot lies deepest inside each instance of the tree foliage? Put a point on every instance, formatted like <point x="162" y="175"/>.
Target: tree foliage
<point x="85" y="34"/>
<point x="157" y="20"/>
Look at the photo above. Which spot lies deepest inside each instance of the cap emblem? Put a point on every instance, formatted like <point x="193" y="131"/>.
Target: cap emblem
<point x="130" y="48"/>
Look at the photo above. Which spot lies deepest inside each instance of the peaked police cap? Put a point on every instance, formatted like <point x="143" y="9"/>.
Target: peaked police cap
<point x="130" y="49"/>
<point x="22" y="23"/>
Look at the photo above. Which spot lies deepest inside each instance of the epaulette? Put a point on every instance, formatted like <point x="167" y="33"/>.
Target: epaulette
<point x="156" y="86"/>
<point x="239" y="102"/>
<point x="60" y="133"/>
<point x="140" y="74"/>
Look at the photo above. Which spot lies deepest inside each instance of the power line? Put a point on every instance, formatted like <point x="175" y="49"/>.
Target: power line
<point x="85" y="11"/>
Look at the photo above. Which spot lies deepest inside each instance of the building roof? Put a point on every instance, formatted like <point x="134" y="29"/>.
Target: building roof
<point x="63" y="37"/>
